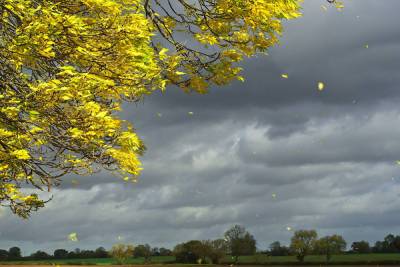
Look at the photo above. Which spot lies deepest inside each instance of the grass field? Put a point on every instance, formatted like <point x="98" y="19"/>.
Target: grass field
<point x="344" y="258"/>
<point x="347" y="259"/>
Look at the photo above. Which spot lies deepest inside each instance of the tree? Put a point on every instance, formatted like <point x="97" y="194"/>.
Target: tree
<point x="143" y="251"/>
<point x="86" y="254"/>
<point x="66" y="68"/>
<point x="277" y="250"/>
<point x="165" y="252"/>
<point x="240" y="242"/>
<point x="155" y="251"/>
<point x="190" y="252"/>
<point x="302" y="243"/>
<point x="101" y="252"/>
<point x="121" y="253"/>
<point x="14" y="253"/>
<point x="60" y="254"/>
<point x="360" y="247"/>
<point x="3" y="254"/>
<point x="219" y="248"/>
<point x="329" y="245"/>
<point x="40" y="255"/>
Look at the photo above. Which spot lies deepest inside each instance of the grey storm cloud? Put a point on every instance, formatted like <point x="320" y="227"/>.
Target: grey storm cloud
<point x="328" y="157"/>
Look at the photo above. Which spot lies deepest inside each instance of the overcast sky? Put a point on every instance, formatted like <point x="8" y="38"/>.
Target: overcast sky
<point x="328" y="157"/>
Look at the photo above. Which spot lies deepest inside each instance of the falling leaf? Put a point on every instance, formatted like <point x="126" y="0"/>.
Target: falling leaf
<point x="119" y="237"/>
<point x="339" y="5"/>
<point x="285" y="76"/>
<point x="289" y="228"/>
<point x="398" y="162"/>
<point x="324" y="8"/>
<point x="159" y="114"/>
<point x="190" y="113"/>
<point x="126" y="179"/>
<point x="366" y="46"/>
<point x="273" y="195"/>
<point x="73" y="237"/>
<point x="321" y="86"/>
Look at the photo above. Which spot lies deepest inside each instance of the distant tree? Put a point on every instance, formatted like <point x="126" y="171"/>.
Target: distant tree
<point x="144" y="251"/>
<point x="196" y="251"/>
<point x="378" y="247"/>
<point x="165" y="252"/>
<point x="14" y="253"/>
<point x="360" y="247"/>
<point x="121" y="252"/>
<point x="87" y="254"/>
<point x="155" y="251"/>
<point x="240" y="242"/>
<point x="60" y="254"/>
<point x="40" y="255"/>
<point x="77" y="253"/>
<point x="3" y="254"/>
<point x="72" y="255"/>
<point x="395" y="244"/>
<point x="204" y="251"/>
<point x="302" y="243"/>
<point x="219" y="248"/>
<point x="276" y="249"/>
<point x="101" y="252"/>
<point x="330" y="245"/>
<point x="188" y="252"/>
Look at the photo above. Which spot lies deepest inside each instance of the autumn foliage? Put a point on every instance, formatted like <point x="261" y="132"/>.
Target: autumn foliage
<point x="66" y="66"/>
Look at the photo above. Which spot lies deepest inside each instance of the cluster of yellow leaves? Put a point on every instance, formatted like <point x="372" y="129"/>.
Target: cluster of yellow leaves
<point x="234" y="28"/>
<point x="66" y="67"/>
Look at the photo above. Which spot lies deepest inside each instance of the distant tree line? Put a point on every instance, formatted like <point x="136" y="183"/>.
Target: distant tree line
<point x="236" y="241"/>
<point x="390" y="244"/>
<point x="146" y="251"/>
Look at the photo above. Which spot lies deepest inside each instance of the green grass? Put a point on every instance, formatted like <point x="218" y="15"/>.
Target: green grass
<point x="94" y="261"/>
<point x="258" y="259"/>
<point x="343" y="258"/>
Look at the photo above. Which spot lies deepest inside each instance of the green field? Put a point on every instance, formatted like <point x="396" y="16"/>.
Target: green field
<point x="344" y="258"/>
<point x="347" y="259"/>
<point x="95" y="261"/>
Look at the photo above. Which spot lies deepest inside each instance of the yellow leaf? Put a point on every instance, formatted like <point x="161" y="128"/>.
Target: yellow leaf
<point x="22" y="154"/>
<point x="321" y="86"/>
<point x="73" y="237"/>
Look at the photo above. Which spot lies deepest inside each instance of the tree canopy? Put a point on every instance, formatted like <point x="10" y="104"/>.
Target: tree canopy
<point x="329" y="245"/>
<point x="240" y="241"/>
<point x="303" y="242"/>
<point x="67" y="66"/>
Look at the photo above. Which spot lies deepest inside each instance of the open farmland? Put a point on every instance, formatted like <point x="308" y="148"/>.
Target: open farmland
<point x="261" y="259"/>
